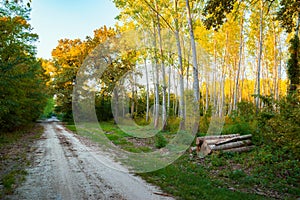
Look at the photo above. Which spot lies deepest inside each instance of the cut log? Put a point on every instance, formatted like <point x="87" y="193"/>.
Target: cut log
<point x="218" y="136"/>
<point x="234" y="139"/>
<point x="214" y="141"/>
<point x="209" y="141"/>
<point x="205" y="149"/>
<point x="192" y="149"/>
<point x="240" y="149"/>
<point x="232" y="145"/>
<point x="227" y="143"/>
<point x="214" y="138"/>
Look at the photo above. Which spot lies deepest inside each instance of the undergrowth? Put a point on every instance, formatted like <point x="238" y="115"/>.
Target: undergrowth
<point x="14" y="160"/>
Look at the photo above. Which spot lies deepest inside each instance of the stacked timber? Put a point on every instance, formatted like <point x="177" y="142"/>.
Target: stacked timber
<point x="226" y="143"/>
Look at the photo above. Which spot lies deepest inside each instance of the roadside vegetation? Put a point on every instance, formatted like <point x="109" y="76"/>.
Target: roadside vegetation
<point x="271" y="170"/>
<point x="15" y="149"/>
<point x="22" y="81"/>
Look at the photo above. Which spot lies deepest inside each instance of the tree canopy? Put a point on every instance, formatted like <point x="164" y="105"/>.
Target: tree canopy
<point x="21" y="84"/>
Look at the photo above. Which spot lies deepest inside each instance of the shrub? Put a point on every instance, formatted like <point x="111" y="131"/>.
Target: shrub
<point x="241" y="127"/>
<point x="280" y="127"/>
<point x="246" y="111"/>
<point x="160" y="141"/>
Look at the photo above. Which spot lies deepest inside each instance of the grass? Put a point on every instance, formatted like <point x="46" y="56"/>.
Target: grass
<point x="12" y="179"/>
<point x="120" y="138"/>
<point x="13" y="150"/>
<point x="218" y="176"/>
<point x="189" y="180"/>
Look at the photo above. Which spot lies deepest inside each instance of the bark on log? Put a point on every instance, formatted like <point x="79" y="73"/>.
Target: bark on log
<point x="192" y="149"/>
<point x="227" y="143"/>
<point x="218" y="136"/>
<point x="231" y="145"/>
<point x="200" y="142"/>
<point x="205" y="149"/>
<point x="214" y="138"/>
<point x="234" y="139"/>
<point x="240" y="149"/>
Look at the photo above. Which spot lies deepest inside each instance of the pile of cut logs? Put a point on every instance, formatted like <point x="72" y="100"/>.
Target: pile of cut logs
<point x="225" y="143"/>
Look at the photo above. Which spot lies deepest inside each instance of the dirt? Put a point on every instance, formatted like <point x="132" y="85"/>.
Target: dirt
<point x="67" y="167"/>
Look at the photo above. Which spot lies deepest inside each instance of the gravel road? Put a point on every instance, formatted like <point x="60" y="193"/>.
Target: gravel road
<point x="68" y="167"/>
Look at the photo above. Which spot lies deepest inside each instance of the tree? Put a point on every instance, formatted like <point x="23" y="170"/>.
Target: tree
<point x="288" y="12"/>
<point x="294" y="65"/>
<point x="67" y="58"/>
<point x="22" y="88"/>
<point x="288" y="15"/>
<point x="257" y="93"/>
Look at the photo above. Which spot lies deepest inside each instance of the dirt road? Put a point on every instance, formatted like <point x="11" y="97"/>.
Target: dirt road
<point x="69" y="168"/>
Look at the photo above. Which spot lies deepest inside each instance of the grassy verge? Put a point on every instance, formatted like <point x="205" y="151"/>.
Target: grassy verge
<point x="14" y="147"/>
<point x="259" y="174"/>
<point x="227" y="176"/>
<point x="189" y="180"/>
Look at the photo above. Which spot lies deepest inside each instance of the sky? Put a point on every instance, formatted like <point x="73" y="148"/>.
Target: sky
<point x="53" y="20"/>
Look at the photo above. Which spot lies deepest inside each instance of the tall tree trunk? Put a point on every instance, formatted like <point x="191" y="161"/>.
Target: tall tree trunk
<point x="239" y="65"/>
<point x="181" y="81"/>
<point x="194" y="54"/>
<point x="132" y="94"/>
<point x="243" y="76"/>
<point x="164" y="85"/>
<point x="154" y="88"/>
<point x="156" y="113"/>
<point x="279" y="71"/>
<point x="214" y="75"/>
<point x="195" y="64"/>
<point x="116" y="105"/>
<point x="147" y="90"/>
<point x="169" y="89"/>
<point x="206" y="96"/>
<point x="176" y="92"/>
<point x="257" y="99"/>
<point x="275" y="67"/>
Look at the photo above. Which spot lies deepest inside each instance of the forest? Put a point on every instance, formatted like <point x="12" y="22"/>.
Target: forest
<point x="209" y="67"/>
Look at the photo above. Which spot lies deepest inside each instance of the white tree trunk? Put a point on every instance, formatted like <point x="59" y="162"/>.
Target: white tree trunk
<point x="181" y="81"/>
<point x="239" y="65"/>
<point x="156" y="107"/>
<point x="195" y="65"/>
<point x="257" y="101"/>
<point x="194" y="55"/>
<point x="164" y="85"/>
<point x="147" y="90"/>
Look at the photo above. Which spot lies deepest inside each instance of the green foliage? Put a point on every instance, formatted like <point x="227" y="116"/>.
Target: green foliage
<point x="9" y="180"/>
<point x="241" y="121"/>
<point x="280" y="127"/>
<point x="215" y="12"/>
<point x="246" y="111"/>
<point x="14" y="147"/>
<point x="173" y="124"/>
<point x="237" y="174"/>
<point x="21" y="86"/>
<point x="205" y="121"/>
<point x="160" y="140"/>
<point x="49" y="109"/>
<point x="241" y="127"/>
<point x="293" y="65"/>
<point x="190" y="180"/>
<point x="103" y="108"/>
<point x="287" y="12"/>
<point x="217" y="160"/>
